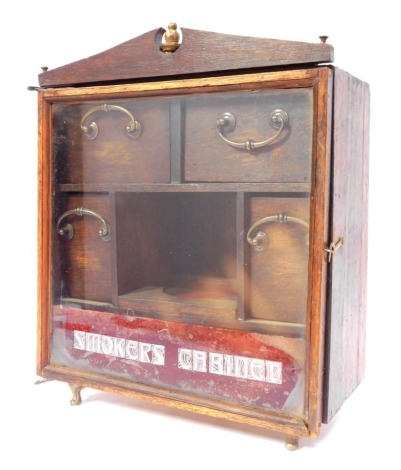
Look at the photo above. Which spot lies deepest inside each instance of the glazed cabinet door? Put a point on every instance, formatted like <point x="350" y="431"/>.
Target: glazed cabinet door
<point x="183" y="241"/>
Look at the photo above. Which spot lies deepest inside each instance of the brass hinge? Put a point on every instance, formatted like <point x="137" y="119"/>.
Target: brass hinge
<point x="333" y="247"/>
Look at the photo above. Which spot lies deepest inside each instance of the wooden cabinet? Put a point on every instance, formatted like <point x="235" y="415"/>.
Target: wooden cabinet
<point x="202" y="227"/>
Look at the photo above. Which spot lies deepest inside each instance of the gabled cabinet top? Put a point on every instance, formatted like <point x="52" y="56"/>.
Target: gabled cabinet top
<point x="161" y="53"/>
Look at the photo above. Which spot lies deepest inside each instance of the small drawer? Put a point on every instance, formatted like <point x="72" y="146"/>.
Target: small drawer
<point x="112" y="142"/>
<point x="259" y="136"/>
<point x="83" y="237"/>
<point x="278" y="259"/>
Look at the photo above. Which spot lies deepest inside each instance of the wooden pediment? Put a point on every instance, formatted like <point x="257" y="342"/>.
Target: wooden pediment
<point x="200" y="53"/>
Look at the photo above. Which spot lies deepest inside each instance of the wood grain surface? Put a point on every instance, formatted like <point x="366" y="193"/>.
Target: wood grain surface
<point x="200" y="52"/>
<point x="345" y="343"/>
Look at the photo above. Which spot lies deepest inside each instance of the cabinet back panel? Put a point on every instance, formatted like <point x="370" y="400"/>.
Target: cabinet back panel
<point x="164" y="236"/>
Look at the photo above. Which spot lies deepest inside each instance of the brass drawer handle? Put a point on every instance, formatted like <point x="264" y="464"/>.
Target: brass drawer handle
<point x="259" y="241"/>
<point x="67" y="230"/>
<point x="227" y="122"/>
<point x="91" y="129"/>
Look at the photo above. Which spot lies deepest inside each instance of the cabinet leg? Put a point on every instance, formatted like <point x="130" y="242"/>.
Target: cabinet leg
<point x="76" y="394"/>
<point x="291" y="442"/>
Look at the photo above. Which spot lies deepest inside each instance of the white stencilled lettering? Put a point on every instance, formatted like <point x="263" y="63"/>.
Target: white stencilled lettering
<point x="228" y="365"/>
<point x="107" y="345"/>
<point x="199" y="361"/>
<point x="132" y="350"/>
<point x="185" y="359"/>
<point x="274" y="372"/>
<point x="144" y="349"/>
<point x="257" y="370"/>
<point x="239" y="367"/>
<point x="119" y="347"/>
<point x="93" y="343"/>
<point x="216" y="363"/>
<point x="79" y="340"/>
<point x="158" y="354"/>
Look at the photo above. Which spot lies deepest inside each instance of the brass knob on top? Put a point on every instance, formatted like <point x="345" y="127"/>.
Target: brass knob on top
<point x="171" y="39"/>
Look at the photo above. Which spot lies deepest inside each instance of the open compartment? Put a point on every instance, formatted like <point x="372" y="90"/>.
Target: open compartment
<point x="176" y="254"/>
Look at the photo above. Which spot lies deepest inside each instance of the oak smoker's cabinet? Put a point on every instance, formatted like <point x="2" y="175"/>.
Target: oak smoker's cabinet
<point x="202" y="227"/>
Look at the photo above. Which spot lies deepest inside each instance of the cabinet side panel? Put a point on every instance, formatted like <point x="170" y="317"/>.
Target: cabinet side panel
<point x="347" y="296"/>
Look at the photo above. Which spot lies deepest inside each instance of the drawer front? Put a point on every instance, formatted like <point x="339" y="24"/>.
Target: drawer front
<point x="112" y="142"/>
<point x="221" y="130"/>
<point x="279" y="265"/>
<point x="83" y="270"/>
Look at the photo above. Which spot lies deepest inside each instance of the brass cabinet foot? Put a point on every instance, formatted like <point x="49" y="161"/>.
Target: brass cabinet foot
<point x="76" y="394"/>
<point x="291" y="443"/>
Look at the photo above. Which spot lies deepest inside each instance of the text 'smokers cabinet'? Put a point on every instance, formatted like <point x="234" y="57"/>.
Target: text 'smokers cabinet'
<point x="202" y="227"/>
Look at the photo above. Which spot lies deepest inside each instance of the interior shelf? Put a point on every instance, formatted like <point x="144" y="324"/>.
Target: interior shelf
<point x="198" y="315"/>
<point x="188" y="187"/>
<point x="205" y="297"/>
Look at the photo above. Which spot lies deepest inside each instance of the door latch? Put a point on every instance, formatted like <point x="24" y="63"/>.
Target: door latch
<point x="333" y="247"/>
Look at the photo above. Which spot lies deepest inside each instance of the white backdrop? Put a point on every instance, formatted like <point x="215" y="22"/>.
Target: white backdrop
<point x="40" y="427"/>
